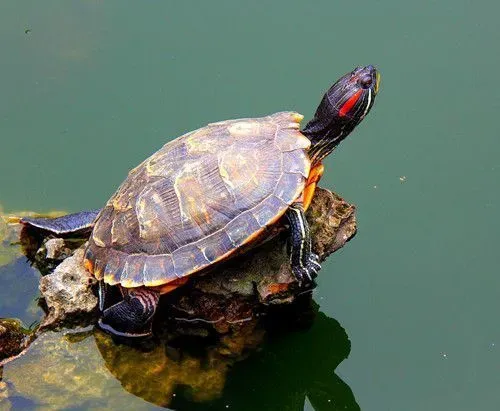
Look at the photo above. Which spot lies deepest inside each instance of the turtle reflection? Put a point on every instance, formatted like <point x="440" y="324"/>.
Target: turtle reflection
<point x="207" y="372"/>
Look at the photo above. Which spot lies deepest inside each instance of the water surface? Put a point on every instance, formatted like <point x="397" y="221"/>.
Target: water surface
<point x="90" y="88"/>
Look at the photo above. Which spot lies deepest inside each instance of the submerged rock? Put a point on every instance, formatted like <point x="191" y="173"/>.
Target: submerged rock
<point x="14" y="338"/>
<point x="60" y="372"/>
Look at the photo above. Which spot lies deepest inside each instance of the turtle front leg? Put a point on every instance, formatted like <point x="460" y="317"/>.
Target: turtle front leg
<point x="305" y="264"/>
<point x="131" y="317"/>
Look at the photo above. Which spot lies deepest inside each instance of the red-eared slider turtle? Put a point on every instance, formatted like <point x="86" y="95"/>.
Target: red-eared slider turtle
<point x="205" y="195"/>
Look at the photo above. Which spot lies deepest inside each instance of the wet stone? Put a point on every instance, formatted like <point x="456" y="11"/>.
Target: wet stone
<point x="56" y="249"/>
<point x="68" y="293"/>
<point x="13" y="338"/>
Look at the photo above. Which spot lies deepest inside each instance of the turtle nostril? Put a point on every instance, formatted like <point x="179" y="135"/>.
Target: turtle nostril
<point x="366" y="81"/>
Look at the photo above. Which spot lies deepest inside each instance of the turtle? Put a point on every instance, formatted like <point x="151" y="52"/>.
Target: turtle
<point x="208" y="195"/>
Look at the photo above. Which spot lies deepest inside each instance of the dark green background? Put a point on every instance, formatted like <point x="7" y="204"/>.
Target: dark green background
<point x="96" y="86"/>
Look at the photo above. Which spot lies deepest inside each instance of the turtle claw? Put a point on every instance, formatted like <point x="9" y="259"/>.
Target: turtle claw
<point x="306" y="275"/>
<point x="314" y="263"/>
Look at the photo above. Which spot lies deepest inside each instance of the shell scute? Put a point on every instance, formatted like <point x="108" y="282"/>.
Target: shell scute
<point x="189" y="258"/>
<point x="112" y="268"/>
<point x="289" y="187"/>
<point x="289" y="140"/>
<point x="158" y="269"/>
<point x="296" y="162"/>
<point x="215" y="246"/>
<point x="242" y="227"/>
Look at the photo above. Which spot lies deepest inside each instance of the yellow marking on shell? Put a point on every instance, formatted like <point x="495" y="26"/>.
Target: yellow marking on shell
<point x="109" y="279"/>
<point x="289" y="140"/>
<point x="191" y="200"/>
<point x="135" y="169"/>
<point x="127" y="283"/>
<point x="148" y="221"/>
<point x="200" y="142"/>
<point x="197" y="209"/>
<point x="97" y="271"/>
<point x="156" y="283"/>
<point x="186" y="178"/>
<point x="244" y="128"/>
<point x="119" y="203"/>
<point x="225" y="175"/>
<point x="303" y="141"/>
<point x="287" y="119"/>
<point x="151" y="168"/>
<point x="156" y="166"/>
<point x="97" y="240"/>
<point x="255" y="180"/>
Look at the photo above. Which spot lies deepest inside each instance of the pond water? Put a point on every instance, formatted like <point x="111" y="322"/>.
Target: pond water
<point x="90" y="88"/>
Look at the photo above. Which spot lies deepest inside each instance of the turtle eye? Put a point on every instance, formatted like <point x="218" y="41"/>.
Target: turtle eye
<point x="365" y="81"/>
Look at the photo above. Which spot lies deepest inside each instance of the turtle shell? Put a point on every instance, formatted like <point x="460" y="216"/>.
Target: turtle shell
<point x="198" y="199"/>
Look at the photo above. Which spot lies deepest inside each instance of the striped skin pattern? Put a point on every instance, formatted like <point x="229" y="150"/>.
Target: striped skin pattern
<point x="198" y="199"/>
<point x="71" y="223"/>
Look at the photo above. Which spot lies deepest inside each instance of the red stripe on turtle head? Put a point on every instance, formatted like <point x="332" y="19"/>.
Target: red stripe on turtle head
<point x="349" y="104"/>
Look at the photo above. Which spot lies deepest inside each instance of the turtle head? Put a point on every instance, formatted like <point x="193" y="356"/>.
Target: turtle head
<point x="343" y="107"/>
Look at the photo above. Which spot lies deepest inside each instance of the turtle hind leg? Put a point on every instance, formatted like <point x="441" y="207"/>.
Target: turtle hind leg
<point x="305" y="264"/>
<point x="131" y="317"/>
<point x="67" y="224"/>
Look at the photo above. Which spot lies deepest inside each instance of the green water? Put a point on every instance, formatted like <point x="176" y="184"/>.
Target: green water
<point x="88" y="89"/>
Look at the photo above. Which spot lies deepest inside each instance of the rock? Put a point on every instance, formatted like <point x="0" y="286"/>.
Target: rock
<point x="46" y="253"/>
<point x="14" y="339"/>
<point x="12" y="238"/>
<point x="233" y="291"/>
<point x="52" y="252"/>
<point x="68" y="294"/>
<point x="59" y="373"/>
<point x="332" y="221"/>
<point x="56" y="250"/>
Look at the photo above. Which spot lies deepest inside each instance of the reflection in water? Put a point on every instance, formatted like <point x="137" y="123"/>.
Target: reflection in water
<point x="19" y="292"/>
<point x="191" y="373"/>
<point x="18" y="280"/>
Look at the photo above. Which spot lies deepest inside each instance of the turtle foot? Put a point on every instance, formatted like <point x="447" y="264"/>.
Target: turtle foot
<point x="131" y="317"/>
<point x="306" y="275"/>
